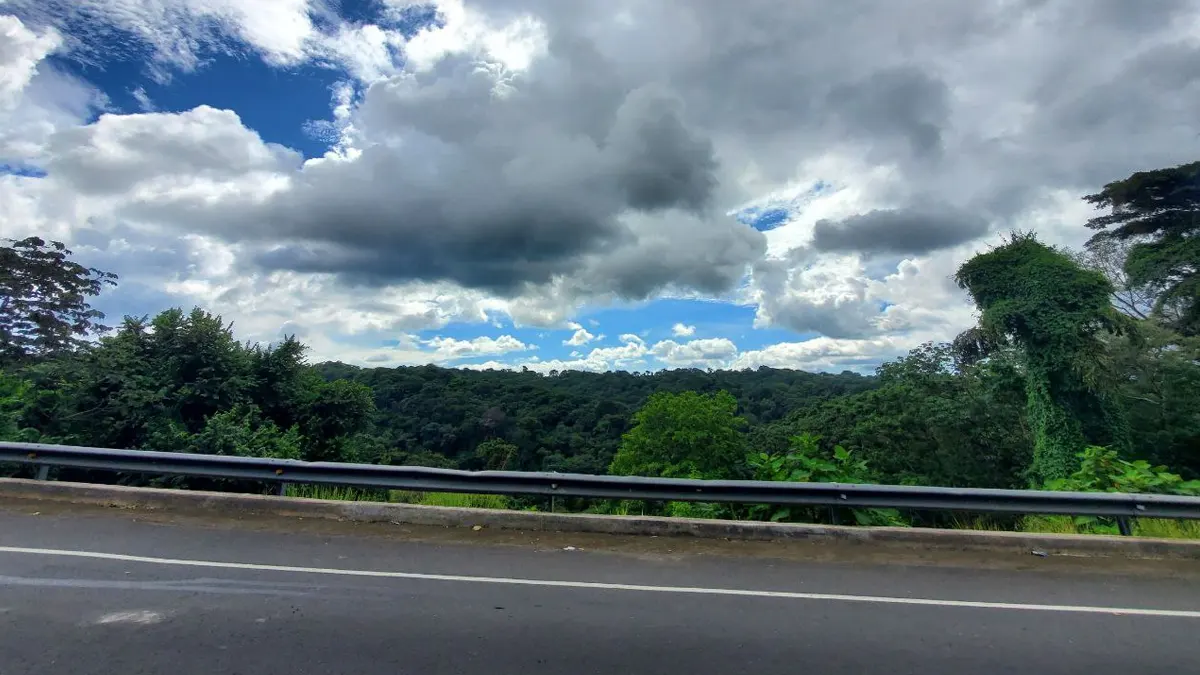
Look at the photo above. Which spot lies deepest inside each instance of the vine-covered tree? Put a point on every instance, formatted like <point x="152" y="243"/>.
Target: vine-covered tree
<point x="1160" y="212"/>
<point x="1056" y="312"/>
<point x="44" y="299"/>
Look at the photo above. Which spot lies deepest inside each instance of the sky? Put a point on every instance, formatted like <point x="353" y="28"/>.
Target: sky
<point x="594" y="184"/>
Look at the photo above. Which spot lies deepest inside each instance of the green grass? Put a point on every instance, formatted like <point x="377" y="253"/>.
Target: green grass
<point x="1156" y="528"/>
<point x="1161" y="528"/>
<point x="449" y="499"/>
<point x="335" y="493"/>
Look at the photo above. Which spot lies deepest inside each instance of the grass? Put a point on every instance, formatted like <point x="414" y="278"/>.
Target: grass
<point x="335" y="493"/>
<point x="449" y="499"/>
<point x="351" y="494"/>
<point x="1157" y="528"/>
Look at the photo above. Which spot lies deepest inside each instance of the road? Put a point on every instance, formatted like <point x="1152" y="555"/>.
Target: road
<point x="85" y="590"/>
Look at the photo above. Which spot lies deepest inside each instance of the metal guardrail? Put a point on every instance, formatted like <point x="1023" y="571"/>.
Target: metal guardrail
<point x="1105" y="504"/>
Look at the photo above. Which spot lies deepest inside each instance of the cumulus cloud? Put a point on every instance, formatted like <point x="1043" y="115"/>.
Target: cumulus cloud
<point x="705" y="353"/>
<point x="448" y="349"/>
<point x="683" y="330"/>
<point x="581" y="336"/>
<point x="21" y="50"/>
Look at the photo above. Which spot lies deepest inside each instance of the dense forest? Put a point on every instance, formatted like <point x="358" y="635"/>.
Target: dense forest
<point x="1082" y="373"/>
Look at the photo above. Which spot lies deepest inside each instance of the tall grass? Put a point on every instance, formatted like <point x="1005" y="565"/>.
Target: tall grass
<point x="336" y="493"/>
<point x="1157" y="528"/>
<point x="449" y="499"/>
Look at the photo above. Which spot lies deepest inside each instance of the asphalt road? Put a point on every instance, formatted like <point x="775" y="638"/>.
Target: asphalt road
<point x="87" y="591"/>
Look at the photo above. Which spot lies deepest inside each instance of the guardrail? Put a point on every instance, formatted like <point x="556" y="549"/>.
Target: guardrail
<point x="1121" y="506"/>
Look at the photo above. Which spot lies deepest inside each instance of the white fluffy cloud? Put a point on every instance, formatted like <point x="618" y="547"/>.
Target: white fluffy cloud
<point x="21" y="50"/>
<point x="449" y="348"/>
<point x="581" y="336"/>
<point x="705" y="353"/>
<point x="683" y="330"/>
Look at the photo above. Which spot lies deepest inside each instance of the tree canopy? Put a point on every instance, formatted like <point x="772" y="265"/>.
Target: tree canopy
<point x="44" y="299"/>
<point x="1159" y="211"/>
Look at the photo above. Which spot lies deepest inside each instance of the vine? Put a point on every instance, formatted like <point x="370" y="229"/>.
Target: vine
<point x="1056" y="312"/>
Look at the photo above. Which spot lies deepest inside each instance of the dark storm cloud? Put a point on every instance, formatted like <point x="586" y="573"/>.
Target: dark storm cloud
<point x="499" y="190"/>
<point x="900" y="103"/>
<point x="913" y="231"/>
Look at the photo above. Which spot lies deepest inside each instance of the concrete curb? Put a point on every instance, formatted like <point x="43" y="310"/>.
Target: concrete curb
<point x="229" y="504"/>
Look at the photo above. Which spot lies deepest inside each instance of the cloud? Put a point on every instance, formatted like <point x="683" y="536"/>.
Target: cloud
<point x="180" y="34"/>
<point x="683" y="330"/>
<point x="162" y="160"/>
<point x="449" y="349"/>
<point x="36" y="99"/>
<point x="904" y="231"/>
<point x="705" y="353"/>
<point x="581" y="336"/>
<point x="527" y="158"/>
<point x="903" y="104"/>
<point x="21" y="50"/>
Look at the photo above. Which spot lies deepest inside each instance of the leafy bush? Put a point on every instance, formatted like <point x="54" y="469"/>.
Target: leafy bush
<point x="1102" y="470"/>
<point x="804" y="462"/>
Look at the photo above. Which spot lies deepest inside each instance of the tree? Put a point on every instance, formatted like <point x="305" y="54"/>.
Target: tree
<point x="685" y="435"/>
<point x="1159" y="211"/>
<point x="334" y="412"/>
<point x="1056" y="312"/>
<point x="496" y="454"/>
<point x="1159" y="388"/>
<point x="1108" y="256"/>
<point x="930" y="422"/>
<point x="44" y="299"/>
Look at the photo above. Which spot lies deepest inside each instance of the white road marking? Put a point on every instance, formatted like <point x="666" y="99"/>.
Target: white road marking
<point x="141" y="616"/>
<point x="592" y="585"/>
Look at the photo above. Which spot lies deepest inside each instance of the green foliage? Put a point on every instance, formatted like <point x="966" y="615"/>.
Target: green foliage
<point x="13" y="394"/>
<point x="497" y="454"/>
<point x="1102" y="470"/>
<point x="241" y="431"/>
<point x="928" y="423"/>
<point x="805" y="462"/>
<point x="332" y="412"/>
<point x="570" y="422"/>
<point x="1056" y="312"/>
<point x="1158" y="211"/>
<point x="686" y="435"/>
<point x="1159" y="391"/>
<point x="44" y="296"/>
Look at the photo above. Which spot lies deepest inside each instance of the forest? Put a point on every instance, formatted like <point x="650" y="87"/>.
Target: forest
<point x="1083" y="373"/>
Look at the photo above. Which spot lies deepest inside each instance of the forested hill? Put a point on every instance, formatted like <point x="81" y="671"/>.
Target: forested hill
<point x="566" y="421"/>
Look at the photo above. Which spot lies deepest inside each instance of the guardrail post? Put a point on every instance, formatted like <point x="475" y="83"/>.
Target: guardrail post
<point x="43" y="472"/>
<point x="282" y="491"/>
<point x="1123" y="526"/>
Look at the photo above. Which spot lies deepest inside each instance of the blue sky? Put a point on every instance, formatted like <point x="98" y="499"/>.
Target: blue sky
<point x="629" y="199"/>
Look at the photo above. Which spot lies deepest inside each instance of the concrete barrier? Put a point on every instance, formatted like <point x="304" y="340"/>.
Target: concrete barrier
<point x="227" y="504"/>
